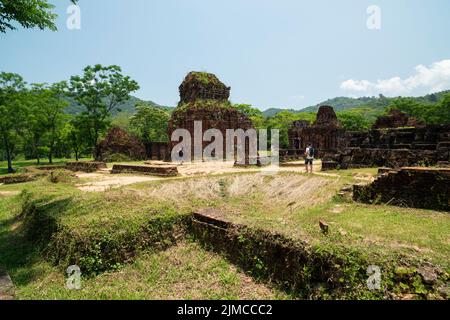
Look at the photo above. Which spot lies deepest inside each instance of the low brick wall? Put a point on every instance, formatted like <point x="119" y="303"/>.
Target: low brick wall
<point x="162" y="171"/>
<point x="260" y="252"/>
<point x="427" y="188"/>
<point x="85" y="166"/>
<point x="21" y="178"/>
<point x="47" y="168"/>
<point x="396" y="158"/>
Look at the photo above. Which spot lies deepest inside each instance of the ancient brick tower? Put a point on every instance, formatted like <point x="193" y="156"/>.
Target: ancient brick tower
<point x="203" y="97"/>
<point x="325" y="134"/>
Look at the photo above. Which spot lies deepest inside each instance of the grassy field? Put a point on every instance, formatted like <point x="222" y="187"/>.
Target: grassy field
<point x="130" y="243"/>
<point x="185" y="271"/>
<point x="19" y="165"/>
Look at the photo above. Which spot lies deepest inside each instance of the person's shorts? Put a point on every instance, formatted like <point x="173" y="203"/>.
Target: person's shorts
<point x="309" y="161"/>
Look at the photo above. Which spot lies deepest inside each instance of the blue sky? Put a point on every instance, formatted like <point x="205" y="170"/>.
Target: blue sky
<point x="273" y="53"/>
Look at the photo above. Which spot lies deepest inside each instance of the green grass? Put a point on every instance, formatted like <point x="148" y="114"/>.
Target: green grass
<point x="109" y="233"/>
<point x="184" y="271"/>
<point x="19" y="165"/>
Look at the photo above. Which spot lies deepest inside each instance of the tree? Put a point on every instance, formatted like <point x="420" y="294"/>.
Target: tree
<point x="282" y="121"/>
<point x="150" y="123"/>
<point x="443" y="111"/>
<point x="28" y="13"/>
<point x="356" y="119"/>
<point x="435" y="113"/>
<point x="48" y="110"/>
<point x="72" y="133"/>
<point x="13" y="111"/>
<point x="254" y="114"/>
<point x="100" y="90"/>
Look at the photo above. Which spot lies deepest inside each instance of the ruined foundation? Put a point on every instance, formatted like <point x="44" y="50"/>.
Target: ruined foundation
<point x="427" y="188"/>
<point x="160" y="171"/>
<point x="119" y="145"/>
<point x="395" y="140"/>
<point x="85" y="166"/>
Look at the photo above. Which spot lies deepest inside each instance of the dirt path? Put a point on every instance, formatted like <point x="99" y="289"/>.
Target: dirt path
<point x="9" y="193"/>
<point x="103" y="180"/>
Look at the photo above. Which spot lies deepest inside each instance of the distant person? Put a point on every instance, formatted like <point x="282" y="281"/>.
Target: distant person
<point x="309" y="158"/>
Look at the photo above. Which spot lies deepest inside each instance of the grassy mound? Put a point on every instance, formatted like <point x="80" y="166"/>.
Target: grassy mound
<point x="104" y="231"/>
<point x="98" y="232"/>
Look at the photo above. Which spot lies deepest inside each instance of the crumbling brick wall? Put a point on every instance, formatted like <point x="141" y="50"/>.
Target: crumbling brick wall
<point x="157" y="150"/>
<point x="396" y="147"/>
<point x="326" y="134"/>
<point x="427" y="188"/>
<point x="396" y="119"/>
<point x="400" y="145"/>
<point x="202" y="85"/>
<point x="119" y="143"/>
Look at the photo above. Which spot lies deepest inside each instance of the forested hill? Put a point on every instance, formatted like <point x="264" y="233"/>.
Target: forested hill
<point x="128" y="106"/>
<point x="345" y="103"/>
<point x="339" y="104"/>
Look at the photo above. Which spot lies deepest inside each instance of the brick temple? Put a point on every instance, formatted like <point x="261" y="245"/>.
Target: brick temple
<point x="203" y="97"/>
<point x="395" y="140"/>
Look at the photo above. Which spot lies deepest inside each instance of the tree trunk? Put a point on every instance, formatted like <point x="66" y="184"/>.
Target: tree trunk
<point x="52" y="145"/>
<point x="10" y="168"/>
<point x="8" y="153"/>
<point x="36" y="148"/>
<point x="95" y="140"/>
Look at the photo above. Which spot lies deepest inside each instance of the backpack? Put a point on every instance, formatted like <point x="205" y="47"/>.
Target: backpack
<point x="311" y="152"/>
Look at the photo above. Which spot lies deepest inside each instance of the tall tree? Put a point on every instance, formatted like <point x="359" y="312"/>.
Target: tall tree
<point x="100" y="90"/>
<point x="13" y="111"/>
<point x="150" y="123"/>
<point x="254" y="114"/>
<point x="27" y="13"/>
<point x="73" y="134"/>
<point x="283" y="121"/>
<point x="48" y="112"/>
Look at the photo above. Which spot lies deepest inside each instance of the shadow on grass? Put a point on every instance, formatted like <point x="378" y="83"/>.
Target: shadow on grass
<point x="23" y="237"/>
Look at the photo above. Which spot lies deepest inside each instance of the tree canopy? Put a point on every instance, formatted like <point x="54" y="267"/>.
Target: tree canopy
<point x="27" y="13"/>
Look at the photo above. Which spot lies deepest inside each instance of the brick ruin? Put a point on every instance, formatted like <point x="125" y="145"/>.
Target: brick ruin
<point x="203" y="97"/>
<point x="400" y="144"/>
<point x="203" y="86"/>
<point x="396" y="147"/>
<point x="396" y="119"/>
<point x="325" y="134"/>
<point x="426" y="188"/>
<point x="152" y="170"/>
<point x="157" y="150"/>
<point x="119" y="145"/>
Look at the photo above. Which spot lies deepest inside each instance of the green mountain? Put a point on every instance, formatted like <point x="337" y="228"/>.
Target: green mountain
<point x="128" y="106"/>
<point x="345" y="103"/>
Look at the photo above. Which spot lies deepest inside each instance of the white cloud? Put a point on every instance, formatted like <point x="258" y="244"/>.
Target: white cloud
<point x="425" y="80"/>
<point x="355" y="85"/>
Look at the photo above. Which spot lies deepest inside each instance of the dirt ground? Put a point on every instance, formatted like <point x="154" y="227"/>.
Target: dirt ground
<point x="9" y="193"/>
<point x="103" y="180"/>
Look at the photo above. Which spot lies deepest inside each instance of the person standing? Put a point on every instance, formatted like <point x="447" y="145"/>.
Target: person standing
<point x="309" y="158"/>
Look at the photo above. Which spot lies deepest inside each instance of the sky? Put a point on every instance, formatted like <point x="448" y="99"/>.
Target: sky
<point x="272" y="53"/>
